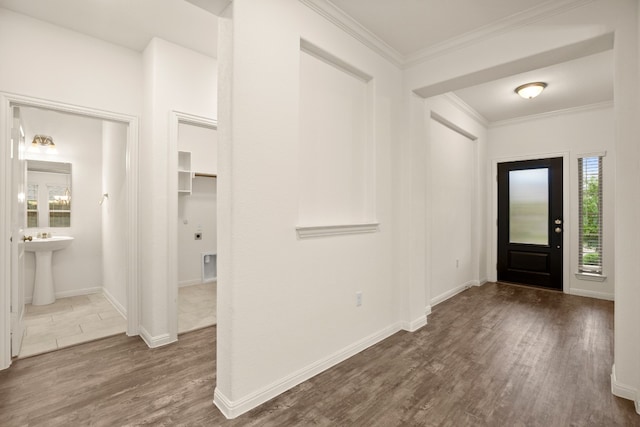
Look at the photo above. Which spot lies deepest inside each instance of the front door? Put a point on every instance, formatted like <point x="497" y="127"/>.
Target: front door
<point x="530" y="222"/>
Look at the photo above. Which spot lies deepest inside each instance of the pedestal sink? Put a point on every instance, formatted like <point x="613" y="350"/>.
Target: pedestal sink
<point x="43" y="290"/>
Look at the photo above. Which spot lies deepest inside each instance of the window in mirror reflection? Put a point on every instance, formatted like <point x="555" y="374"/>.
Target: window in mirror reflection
<point x="32" y="205"/>
<point x="59" y="206"/>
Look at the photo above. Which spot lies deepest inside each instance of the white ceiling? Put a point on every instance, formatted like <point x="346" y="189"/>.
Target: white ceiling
<point x="412" y="25"/>
<point x="583" y="81"/>
<point x="416" y="28"/>
<point x="408" y="26"/>
<point x="129" y="23"/>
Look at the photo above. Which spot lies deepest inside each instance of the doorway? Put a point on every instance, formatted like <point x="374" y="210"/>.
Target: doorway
<point x="193" y="222"/>
<point x="531" y="222"/>
<point x="12" y="314"/>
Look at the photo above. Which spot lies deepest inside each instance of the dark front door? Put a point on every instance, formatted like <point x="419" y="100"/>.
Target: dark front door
<point x="530" y="222"/>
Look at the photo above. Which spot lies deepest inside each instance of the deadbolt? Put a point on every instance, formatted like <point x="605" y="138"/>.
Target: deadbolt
<point x="558" y="221"/>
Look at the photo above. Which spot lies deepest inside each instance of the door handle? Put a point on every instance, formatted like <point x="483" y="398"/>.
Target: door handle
<point x="27" y="238"/>
<point x="558" y="230"/>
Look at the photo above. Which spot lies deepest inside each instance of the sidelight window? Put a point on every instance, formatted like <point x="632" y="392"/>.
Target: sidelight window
<point x="590" y="214"/>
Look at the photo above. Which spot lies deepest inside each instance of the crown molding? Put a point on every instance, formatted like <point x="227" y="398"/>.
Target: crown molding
<point x="466" y="108"/>
<point x="517" y="20"/>
<point x="572" y="110"/>
<point x="345" y="22"/>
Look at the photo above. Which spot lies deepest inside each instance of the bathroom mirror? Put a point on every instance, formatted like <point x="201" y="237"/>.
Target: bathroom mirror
<point x="48" y="194"/>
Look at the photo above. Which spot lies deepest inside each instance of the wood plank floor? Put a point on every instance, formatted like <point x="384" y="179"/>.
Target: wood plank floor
<point x="498" y="355"/>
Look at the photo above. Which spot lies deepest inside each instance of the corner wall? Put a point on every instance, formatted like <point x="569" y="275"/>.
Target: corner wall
<point x="449" y="163"/>
<point x="288" y="304"/>
<point x="114" y="213"/>
<point x="177" y="79"/>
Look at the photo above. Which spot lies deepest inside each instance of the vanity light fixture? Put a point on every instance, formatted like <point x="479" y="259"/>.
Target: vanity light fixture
<point x="530" y="90"/>
<point x="43" y="140"/>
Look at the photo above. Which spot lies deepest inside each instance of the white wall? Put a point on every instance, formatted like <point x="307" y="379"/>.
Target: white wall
<point x="573" y="133"/>
<point x="451" y="166"/>
<point x="197" y="211"/>
<point x="78" y="268"/>
<point x="114" y="213"/>
<point x="196" y="214"/>
<point x="49" y="62"/>
<point x="177" y="79"/>
<point x="272" y="286"/>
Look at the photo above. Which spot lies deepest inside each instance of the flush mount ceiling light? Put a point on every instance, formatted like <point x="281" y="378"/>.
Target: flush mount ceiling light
<point x="530" y="90"/>
<point x="43" y="140"/>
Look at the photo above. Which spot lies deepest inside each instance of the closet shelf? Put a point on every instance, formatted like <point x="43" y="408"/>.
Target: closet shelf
<point x="184" y="172"/>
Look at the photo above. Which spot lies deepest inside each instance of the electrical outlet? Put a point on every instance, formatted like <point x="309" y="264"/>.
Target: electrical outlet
<point x="197" y="236"/>
<point x="358" y="298"/>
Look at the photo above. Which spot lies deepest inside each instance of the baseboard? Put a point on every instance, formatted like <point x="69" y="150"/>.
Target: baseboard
<point x="115" y="303"/>
<point x="189" y="283"/>
<point x="446" y="295"/>
<point x="592" y="294"/>
<point x="415" y="324"/>
<point x="624" y="391"/>
<point x="480" y="282"/>
<point x="196" y="282"/>
<point x="224" y="404"/>
<point x="427" y="310"/>
<point x="157" y="341"/>
<point x="70" y="293"/>
<point x="232" y="409"/>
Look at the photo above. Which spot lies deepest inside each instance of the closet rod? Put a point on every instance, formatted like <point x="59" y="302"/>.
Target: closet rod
<point x="206" y="175"/>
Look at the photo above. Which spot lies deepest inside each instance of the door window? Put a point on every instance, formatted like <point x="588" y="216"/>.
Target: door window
<point x="529" y="206"/>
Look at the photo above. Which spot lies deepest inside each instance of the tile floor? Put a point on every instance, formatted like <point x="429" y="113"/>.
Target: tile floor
<point x="67" y="322"/>
<point x="74" y="320"/>
<point x="196" y="306"/>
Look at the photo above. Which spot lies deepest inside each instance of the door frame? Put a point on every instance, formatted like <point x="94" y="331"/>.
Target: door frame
<point x="175" y="118"/>
<point x="8" y="100"/>
<point x="492" y="268"/>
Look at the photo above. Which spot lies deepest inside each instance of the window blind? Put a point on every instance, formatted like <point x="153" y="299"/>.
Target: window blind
<point x="590" y="214"/>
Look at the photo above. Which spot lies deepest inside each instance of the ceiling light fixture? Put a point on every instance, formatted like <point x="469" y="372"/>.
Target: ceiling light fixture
<point x="530" y="90"/>
<point x="43" y="140"/>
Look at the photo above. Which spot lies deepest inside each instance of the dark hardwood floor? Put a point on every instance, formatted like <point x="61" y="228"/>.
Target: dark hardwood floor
<point x="497" y="355"/>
